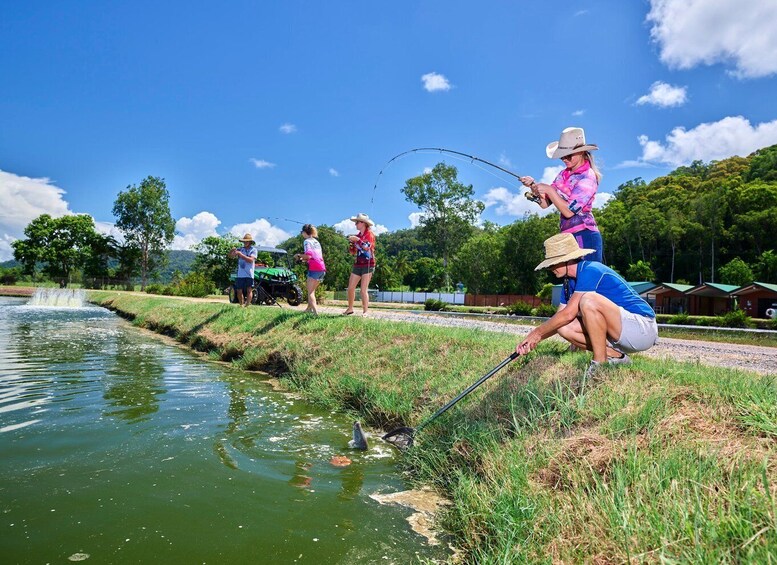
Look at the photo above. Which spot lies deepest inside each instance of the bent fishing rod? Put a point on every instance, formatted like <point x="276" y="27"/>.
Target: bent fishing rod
<point x="528" y="194"/>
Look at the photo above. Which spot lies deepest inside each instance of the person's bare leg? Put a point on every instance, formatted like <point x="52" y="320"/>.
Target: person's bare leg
<point x="312" y="286"/>
<point x="601" y="318"/>
<point x="250" y="293"/>
<point x="352" y="282"/>
<point x="365" y="292"/>
<point x="239" y="293"/>
<point x="575" y="334"/>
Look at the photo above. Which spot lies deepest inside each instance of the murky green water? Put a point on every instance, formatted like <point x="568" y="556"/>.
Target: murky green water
<point x="118" y="447"/>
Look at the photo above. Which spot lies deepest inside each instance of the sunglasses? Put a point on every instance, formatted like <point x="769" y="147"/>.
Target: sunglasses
<point x="567" y="157"/>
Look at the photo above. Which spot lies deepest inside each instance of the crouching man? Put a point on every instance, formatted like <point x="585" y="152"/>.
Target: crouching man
<point x="599" y="310"/>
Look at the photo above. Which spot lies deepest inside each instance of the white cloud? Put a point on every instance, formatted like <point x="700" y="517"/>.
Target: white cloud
<point x="24" y="199"/>
<point x="504" y="160"/>
<point x="664" y="95"/>
<point x="736" y="32"/>
<point x="347" y="227"/>
<point x="333" y="172"/>
<point x="287" y="128"/>
<point x="601" y="199"/>
<point x="709" y="141"/>
<point x="415" y="219"/>
<point x="512" y="204"/>
<point x="427" y="170"/>
<point x="261" y="163"/>
<point x="434" y="82"/>
<point x="549" y="174"/>
<point x="263" y="231"/>
<point x="578" y="113"/>
<point x="191" y="231"/>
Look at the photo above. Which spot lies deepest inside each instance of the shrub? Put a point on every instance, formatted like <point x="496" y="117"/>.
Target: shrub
<point x="520" y="308"/>
<point x="194" y="284"/>
<point x="682" y="319"/>
<point x="545" y="310"/>
<point x="154" y="288"/>
<point x="435" y="305"/>
<point x="735" y="319"/>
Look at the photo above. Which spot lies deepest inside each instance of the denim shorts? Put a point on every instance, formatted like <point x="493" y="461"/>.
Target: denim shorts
<point x="588" y="239"/>
<point x="638" y="333"/>
<point x="243" y="283"/>
<point x="317" y="275"/>
<point x="361" y="271"/>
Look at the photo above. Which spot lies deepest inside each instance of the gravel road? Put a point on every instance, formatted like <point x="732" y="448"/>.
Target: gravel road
<point x="754" y="358"/>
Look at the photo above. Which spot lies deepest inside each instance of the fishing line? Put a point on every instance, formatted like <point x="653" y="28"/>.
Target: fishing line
<point x="465" y="157"/>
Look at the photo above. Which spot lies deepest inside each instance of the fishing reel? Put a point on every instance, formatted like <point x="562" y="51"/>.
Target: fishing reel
<point x="536" y="198"/>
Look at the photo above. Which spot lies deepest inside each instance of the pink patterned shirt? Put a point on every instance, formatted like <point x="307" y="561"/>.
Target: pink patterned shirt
<point x="313" y="248"/>
<point x="578" y="188"/>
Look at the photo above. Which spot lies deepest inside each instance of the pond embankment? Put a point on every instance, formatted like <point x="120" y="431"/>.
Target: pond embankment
<point x="656" y="460"/>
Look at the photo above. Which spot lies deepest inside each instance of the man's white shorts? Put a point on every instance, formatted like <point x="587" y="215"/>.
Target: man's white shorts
<point x="638" y="333"/>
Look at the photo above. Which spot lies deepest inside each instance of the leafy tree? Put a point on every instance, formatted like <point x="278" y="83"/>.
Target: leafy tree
<point x="736" y="272"/>
<point x="640" y="271"/>
<point x="61" y="245"/>
<point x="450" y="211"/>
<point x="477" y="267"/>
<point x="213" y="259"/>
<point x="409" y="242"/>
<point x="522" y="251"/>
<point x="763" y="165"/>
<point x="428" y="274"/>
<point x="143" y="216"/>
<point x="766" y="268"/>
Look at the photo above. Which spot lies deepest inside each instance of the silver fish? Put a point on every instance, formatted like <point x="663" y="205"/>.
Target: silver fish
<point x="359" y="440"/>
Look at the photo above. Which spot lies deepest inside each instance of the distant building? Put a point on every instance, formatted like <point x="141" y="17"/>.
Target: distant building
<point x="669" y="298"/>
<point x="756" y="298"/>
<point x="711" y="299"/>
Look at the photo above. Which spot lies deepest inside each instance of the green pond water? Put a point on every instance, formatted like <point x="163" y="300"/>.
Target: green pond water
<point x="118" y="448"/>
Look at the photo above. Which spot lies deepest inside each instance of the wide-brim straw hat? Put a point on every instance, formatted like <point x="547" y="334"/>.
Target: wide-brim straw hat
<point x="360" y="217"/>
<point x="247" y="237"/>
<point x="560" y="249"/>
<point x="572" y="140"/>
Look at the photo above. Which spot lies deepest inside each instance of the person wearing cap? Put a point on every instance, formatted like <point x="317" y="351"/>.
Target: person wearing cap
<point x="574" y="189"/>
<point x="362" y="246"/>
<point x="599" y="310"/>
<point x="246" y="258"/>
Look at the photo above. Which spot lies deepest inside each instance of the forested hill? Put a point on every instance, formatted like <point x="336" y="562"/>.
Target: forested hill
<point x="697" y="220"/>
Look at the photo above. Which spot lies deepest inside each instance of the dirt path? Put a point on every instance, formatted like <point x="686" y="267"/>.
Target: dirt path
<point x="735" y="356"/>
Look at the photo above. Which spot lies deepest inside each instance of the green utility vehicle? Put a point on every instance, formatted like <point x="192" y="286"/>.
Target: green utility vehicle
<point x="273" y="279"/>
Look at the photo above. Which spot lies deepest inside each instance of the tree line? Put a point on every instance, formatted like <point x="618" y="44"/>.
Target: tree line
<point x="706" y="222"/>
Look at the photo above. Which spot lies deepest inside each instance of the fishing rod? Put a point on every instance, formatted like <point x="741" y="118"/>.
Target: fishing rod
<point x="528" y="194"/>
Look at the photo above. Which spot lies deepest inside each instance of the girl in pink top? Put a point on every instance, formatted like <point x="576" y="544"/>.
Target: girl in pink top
<point x="573" y="191"/>
<point x="314" y="257"/>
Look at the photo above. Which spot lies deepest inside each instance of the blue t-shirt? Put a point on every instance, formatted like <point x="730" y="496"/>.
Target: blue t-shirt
<point x="245" y="269"/>
<point x="596" y="277"/>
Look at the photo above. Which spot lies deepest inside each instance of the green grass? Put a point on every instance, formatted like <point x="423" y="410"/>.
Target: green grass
<point x="741" y="338"/>
<point x="652" y="462"/>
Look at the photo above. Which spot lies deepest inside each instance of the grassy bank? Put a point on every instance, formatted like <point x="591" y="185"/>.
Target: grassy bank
<point x="654" y="461"/>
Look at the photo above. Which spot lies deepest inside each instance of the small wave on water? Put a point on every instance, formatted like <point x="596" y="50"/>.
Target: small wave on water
<point x="58" y="298"/>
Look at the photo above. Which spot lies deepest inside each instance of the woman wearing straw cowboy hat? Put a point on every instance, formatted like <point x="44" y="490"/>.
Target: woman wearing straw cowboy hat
<point x="599" y="310"/>
<point x="246" y="257"/>
<point x="574" y="189"/>
<point x="363" y="247"/>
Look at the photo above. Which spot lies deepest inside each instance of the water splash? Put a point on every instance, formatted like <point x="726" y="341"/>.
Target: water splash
<point x="58" y="298"/>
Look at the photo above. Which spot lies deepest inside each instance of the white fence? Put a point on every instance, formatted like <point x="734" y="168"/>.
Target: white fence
<point x="419" y="297"/>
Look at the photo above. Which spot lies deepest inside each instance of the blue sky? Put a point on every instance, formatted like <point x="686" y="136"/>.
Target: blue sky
<point x="257" y="114"/>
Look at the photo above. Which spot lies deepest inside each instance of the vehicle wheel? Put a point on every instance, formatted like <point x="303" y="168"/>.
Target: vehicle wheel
<point x="255" y="295"/>
<point x="294" y="295"/>
<point x="232" y="294"/>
